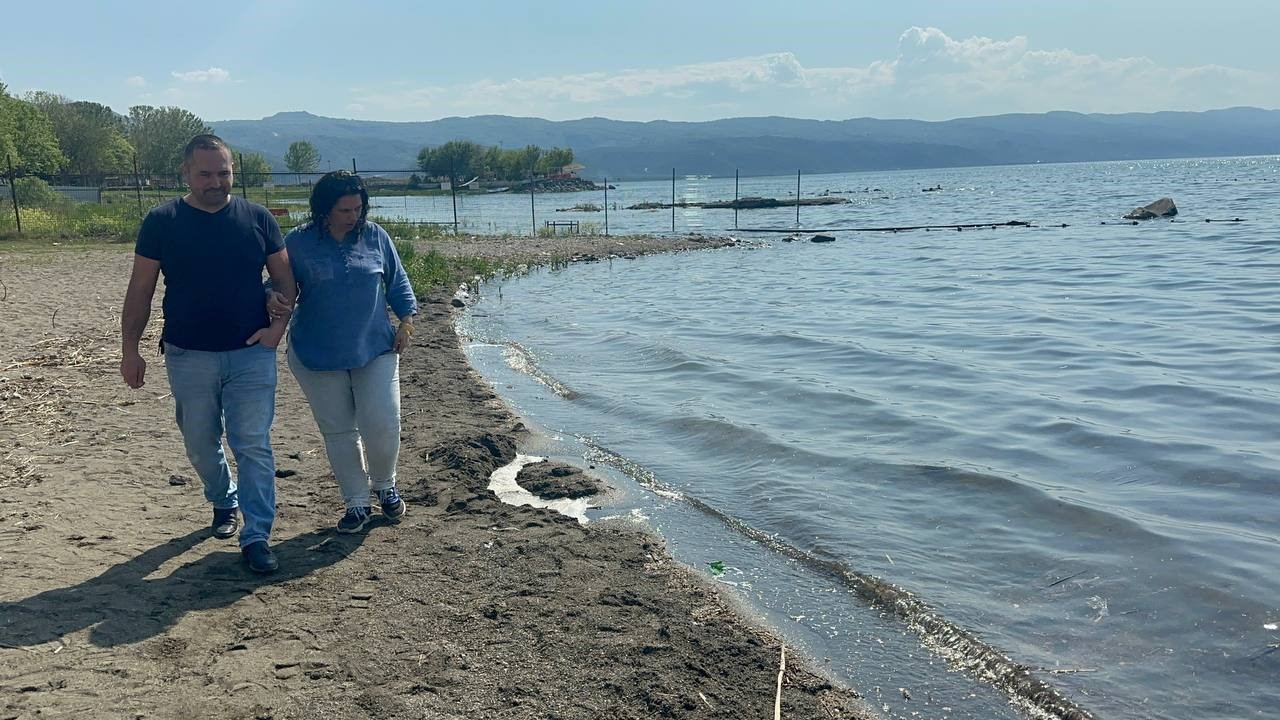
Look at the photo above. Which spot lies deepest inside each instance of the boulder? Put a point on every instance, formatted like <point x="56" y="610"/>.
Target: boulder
<point x="822" y="238"/>
<point x="1163" y="207"/>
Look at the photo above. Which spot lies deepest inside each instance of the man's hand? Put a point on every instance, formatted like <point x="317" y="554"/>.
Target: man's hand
<point x="133" y="369"/>
<point x="268" y="336"/>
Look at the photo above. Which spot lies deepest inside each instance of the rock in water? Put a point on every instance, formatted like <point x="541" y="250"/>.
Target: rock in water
<point x="1163" y="207"/>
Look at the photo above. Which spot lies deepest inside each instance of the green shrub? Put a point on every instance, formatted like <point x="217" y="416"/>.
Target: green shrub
<point x="36" y="193"/>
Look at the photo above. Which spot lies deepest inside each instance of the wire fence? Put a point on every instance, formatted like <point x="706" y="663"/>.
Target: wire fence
<point x="537" y="205"/>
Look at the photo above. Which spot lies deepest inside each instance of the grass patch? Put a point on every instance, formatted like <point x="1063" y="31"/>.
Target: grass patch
<point x="73" y="222"/>
<point x="432" y="269"/>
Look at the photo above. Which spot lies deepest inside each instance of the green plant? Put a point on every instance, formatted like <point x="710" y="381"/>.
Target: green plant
<point x="34" y="192"/>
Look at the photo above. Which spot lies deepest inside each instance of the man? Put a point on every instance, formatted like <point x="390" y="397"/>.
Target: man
<point x="218" y="342"/>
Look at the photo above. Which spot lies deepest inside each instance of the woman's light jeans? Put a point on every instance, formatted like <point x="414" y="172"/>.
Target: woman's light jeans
<point x="235" y="392"/>
<point x="358" y="412"/>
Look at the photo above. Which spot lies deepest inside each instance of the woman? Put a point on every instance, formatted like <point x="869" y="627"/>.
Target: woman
<point x="342" y="347"/>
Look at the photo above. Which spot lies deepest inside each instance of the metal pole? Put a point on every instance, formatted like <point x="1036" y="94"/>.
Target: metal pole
<point x="533" y="213"/>
<point x="13" y="192"/>
<point x="735" y="198"/>
<point x="453" y="190"/>
<point x="137" y="184"/>
<point x="353" y="167"/>
<point x="244" y="181"/>
<point x="673" y="199"/>
<point x="606" y="206"/>
<point x="797" y="198"/>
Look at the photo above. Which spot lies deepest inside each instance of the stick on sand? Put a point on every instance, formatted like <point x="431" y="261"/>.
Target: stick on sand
<point x="777" y="699"/>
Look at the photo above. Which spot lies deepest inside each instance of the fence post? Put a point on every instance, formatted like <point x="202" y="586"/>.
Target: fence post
<point x="13" y="192"/>
<point x="606" y="206"/>
<point x="533" y="212"/>
<point x="797" y="198"/>
<point x="137" y="184"/>
<point x="673" y="199"/>
<point x="353" y="167"/>
<point x="453" y="191"/>
<point x="735" y="198"/>
<point x="244" y="181"/>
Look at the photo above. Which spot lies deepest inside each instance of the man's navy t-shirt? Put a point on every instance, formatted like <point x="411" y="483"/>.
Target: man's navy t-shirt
<point x="212" y="265"/>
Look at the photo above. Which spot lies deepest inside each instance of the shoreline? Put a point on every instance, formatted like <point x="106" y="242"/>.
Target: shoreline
<point x="117" y="601"/>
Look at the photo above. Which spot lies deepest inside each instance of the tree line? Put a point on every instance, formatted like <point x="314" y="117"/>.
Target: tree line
<point x="45" y="134"/>
<point x="49" y="135"/>
<point x="464" y="160"/>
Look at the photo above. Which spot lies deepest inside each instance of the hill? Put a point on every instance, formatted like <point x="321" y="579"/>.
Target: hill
<point x="777" y="145"/>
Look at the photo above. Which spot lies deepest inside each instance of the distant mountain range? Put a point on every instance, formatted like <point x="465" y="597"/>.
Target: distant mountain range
<point x="776" y="145"/>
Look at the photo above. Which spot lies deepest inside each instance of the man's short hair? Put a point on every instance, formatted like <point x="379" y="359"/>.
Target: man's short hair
<point x="206" y="141"/>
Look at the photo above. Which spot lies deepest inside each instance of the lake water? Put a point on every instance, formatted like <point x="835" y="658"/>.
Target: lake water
<point x="929" y="458"/>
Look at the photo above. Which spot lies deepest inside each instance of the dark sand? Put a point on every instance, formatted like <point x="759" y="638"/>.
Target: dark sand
<point x="116" y="603"/>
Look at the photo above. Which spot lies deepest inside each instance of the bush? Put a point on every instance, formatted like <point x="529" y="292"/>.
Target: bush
<point x="36" y="193"/>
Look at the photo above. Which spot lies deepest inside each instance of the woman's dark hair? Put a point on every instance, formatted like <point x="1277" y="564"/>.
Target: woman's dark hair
<point x="331" y="188"/>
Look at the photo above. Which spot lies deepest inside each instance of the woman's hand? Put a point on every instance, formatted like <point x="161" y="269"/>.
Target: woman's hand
<point x="403" y="333"/>
<point x="278" y="307"/>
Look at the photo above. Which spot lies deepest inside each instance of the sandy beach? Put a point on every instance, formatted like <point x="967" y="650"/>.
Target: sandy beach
<point x="116" y="602"/>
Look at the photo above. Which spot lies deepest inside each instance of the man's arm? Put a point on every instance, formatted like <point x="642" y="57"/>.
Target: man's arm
<point x="134" y="317"/>
<point x="282" y="276"/>
<point x="282" y="283"/>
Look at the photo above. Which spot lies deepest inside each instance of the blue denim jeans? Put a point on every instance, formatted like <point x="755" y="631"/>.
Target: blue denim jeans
<point x="232" y="392"/>
<point x="358" y="412"/>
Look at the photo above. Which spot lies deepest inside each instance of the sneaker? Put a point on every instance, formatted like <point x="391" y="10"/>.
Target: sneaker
<point x="393" y="506"/>
<point x="354" y="520"/>
<point x="226" y="521"/>
<point x="259" y="557"/>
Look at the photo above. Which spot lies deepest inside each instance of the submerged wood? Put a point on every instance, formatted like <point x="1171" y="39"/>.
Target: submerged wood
<point x="746" y="203"/>
<point x="953" y="226"/>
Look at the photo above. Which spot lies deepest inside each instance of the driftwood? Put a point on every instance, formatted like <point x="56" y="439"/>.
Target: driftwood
<point x="961" y="226"/>
<point x="746" y="203"/>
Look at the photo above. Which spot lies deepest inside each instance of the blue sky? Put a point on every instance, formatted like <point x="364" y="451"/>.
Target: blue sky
<point x="690" y="60"/>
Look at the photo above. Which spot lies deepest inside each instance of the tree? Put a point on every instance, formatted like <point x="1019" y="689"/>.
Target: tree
<point x="252" y="169"/>
<point x="454" y="159"/>
<point x="159" y="134"/>
<point x="527" y="159"/>
<point x="27" y="137"/>
<point x="554" y="159"/>
<point x="89" y="134"/>
<point x="302" y="157"/>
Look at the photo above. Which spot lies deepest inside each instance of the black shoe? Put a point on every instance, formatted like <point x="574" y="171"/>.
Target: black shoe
<point x="226" y="522"/>
<point x="354" y="520"/>
<point x="259" y="557"/>
<point x="392" y="504"/>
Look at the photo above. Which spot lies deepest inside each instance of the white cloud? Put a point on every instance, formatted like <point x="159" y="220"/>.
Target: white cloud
<point x="136" y="81"/>
<point x="574" y="92"/>
<point x="212" y="75"/>
<point x="932" y="76"/>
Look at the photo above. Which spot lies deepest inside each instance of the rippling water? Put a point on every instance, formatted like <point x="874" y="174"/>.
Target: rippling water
<point x="1061" y="443"/>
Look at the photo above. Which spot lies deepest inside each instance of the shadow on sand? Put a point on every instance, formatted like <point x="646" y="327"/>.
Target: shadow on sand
<point x="124" y="605"/>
